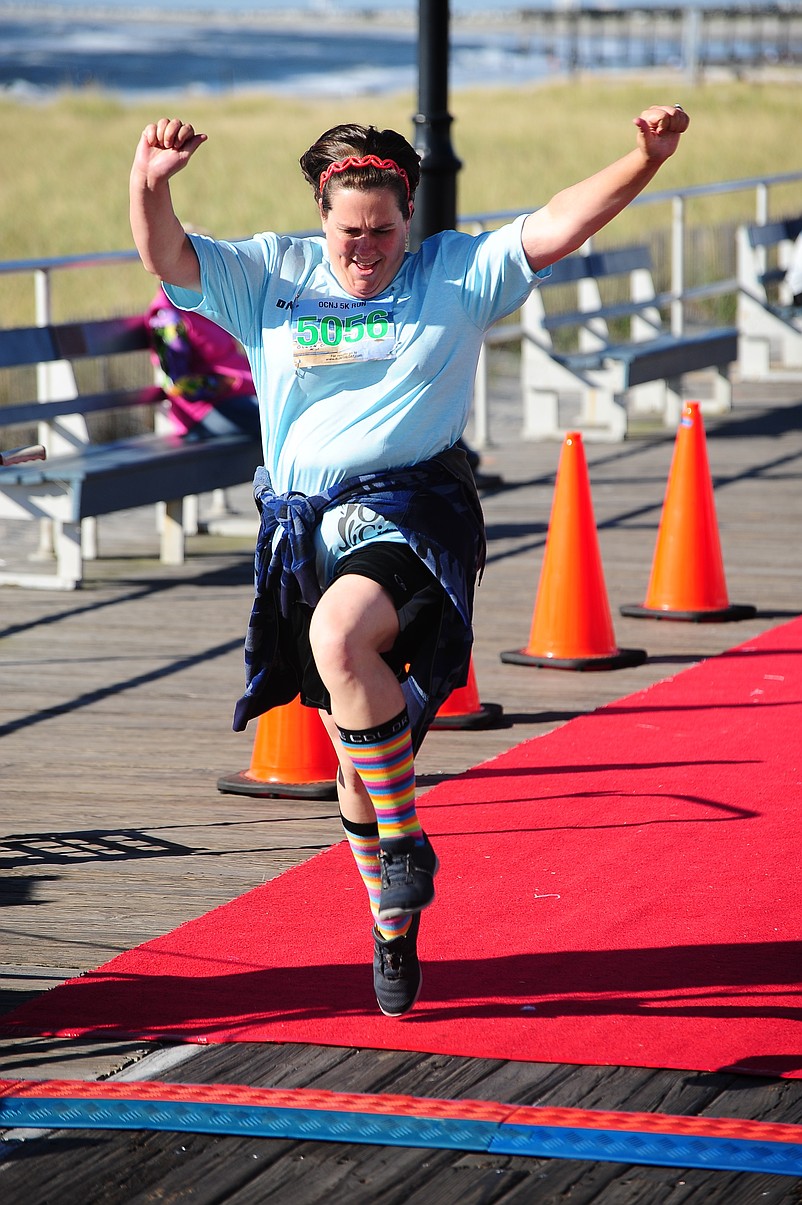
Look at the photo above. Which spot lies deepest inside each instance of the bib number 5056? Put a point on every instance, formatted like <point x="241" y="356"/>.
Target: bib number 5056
<point x="331" y="330"/>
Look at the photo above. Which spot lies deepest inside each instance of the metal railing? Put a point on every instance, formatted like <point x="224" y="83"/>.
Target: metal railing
<point x="680" y="293"/>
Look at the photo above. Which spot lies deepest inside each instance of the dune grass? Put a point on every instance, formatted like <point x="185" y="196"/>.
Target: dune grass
<point x="65" y="187"/>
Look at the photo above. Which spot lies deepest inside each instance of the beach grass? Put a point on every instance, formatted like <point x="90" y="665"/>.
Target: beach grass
<point x="66" y="192"/>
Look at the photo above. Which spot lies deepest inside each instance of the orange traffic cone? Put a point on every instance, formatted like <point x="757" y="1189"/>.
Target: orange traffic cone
<point x="687" y="580"/>
<point x="572" y="627"/>
<point x="292" y="758"/>
<point x="463" y="709"/>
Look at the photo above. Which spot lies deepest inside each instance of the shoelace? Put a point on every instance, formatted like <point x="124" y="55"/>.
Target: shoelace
<point x="395" y="960"/>
<point x="387" y="861"/>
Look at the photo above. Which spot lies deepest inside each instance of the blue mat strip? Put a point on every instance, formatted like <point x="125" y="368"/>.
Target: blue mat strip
<point x="322" y="1125"/>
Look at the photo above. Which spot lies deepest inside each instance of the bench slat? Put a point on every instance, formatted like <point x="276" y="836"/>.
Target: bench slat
<point x="599" y="264"/>
<point x="89" y="403"/>
<point x="106" y="337"/>
<point x="774" y="232"/>
<point x="27" y="345"/>
<point x="623" y="309"/>
<point x="678" y="356"/>
<point x="666" y="357"/>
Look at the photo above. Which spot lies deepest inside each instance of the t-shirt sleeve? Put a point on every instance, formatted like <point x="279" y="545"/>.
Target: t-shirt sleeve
<point x="234" y="276"/>
<point x="496" y="275"/>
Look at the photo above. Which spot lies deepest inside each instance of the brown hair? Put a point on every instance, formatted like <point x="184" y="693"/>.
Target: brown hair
<point x="357" y="141"/>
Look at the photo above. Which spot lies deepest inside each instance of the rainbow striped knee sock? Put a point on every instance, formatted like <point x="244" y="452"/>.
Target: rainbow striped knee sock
<point x="384" y="760"/>
<point x="364" y="842"/>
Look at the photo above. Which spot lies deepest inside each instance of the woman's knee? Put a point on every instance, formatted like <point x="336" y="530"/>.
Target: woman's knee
<point x="354" y="619"/>
<point x="331" y="639"/>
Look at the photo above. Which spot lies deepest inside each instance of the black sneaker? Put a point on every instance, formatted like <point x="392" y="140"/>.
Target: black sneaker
<point x="397" y="974"/>
<point x="407" y="872"/>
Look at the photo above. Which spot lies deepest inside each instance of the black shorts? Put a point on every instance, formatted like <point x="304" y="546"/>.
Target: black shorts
<point x="417" y="596"/>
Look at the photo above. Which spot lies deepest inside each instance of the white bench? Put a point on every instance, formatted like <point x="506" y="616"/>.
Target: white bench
<point x="602" y="380"/>
<point x="82" y="479"/>
<point x="770" y="326"/>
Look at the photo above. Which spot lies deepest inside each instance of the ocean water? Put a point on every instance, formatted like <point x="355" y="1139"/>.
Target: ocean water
<point x="218" y="45"/>
<point x="135" y="58"/>
<point x="309" y="8"/>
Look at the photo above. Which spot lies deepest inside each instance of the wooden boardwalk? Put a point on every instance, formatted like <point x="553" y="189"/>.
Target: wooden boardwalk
<point x="115" y="721"/>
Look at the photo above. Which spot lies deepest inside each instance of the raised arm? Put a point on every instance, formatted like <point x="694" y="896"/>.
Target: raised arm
<point x="577" y="212"/>
<point x="165" y="147"/>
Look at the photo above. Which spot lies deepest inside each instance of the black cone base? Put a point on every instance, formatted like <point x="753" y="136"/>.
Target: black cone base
<point x="242" y="783"/>
<point x="619" y="659"/>
<point x="488" y="716"/>
<point x="729" y="614"/>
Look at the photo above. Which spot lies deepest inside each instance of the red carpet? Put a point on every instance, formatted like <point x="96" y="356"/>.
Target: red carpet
<point x="625" y="890"/>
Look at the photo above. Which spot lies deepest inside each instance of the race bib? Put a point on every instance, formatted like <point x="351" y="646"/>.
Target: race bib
<point x="341" y="330"/>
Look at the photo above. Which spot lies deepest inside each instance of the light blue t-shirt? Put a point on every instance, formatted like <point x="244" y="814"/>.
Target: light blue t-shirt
<point x="348" y="386"/>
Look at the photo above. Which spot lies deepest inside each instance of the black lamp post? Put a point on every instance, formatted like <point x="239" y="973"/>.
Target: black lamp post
<point x="436" y="200"/>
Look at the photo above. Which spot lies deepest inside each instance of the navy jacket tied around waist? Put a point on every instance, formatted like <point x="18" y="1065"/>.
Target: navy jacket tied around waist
<point x="435" y="507"/>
